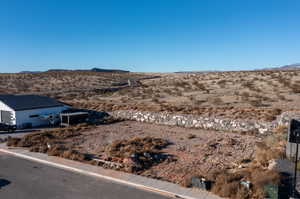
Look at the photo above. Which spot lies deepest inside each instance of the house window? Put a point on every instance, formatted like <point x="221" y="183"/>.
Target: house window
<point x="33" y="116"/>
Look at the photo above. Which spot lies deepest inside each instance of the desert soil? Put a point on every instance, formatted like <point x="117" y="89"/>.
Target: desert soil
<point x="196" y="151"/>
<point x="255" y="95"/>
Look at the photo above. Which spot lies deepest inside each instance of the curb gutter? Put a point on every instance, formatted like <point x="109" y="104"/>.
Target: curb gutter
<point x="117" y="180"/>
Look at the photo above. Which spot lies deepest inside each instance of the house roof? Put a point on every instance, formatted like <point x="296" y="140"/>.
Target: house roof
<point x="27" y="102"/>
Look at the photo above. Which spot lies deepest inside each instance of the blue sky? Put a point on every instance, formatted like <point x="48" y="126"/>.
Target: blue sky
<point x="148" y="35"/>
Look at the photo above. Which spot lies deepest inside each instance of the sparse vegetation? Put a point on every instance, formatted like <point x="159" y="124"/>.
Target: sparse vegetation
<point x="227" y="94"/>
<point x="248" y="95"/>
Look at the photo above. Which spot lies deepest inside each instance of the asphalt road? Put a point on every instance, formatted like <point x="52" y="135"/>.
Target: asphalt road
<point x="24" y="179"/>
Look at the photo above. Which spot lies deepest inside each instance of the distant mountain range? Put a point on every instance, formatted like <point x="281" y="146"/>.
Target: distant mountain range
<point x="285" y="67"/>
<point x="87" y="70"/>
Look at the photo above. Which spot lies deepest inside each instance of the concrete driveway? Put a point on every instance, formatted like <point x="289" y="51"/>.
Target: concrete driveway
<point x="24" y="179"/>
<point x="19" y="133"/>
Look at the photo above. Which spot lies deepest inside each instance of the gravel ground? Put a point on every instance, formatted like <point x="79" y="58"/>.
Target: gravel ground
<point x="196" y="151"/>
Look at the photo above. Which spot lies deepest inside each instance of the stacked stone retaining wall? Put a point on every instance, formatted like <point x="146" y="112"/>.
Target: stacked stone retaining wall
<point x="213" y="123"/>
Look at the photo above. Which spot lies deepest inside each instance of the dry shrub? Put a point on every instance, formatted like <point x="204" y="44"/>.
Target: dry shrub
<point x="48" y="136"/>
<point x="50" y="142"/>
<point x="13" y="141"/>
<point x="256" y="103"/>
<point x="243" y="193"/>
<point x="142" y="152"/>
<point x="74" y="155"/>
<point x="125" y="148"/>
<point x="186" y="182"/>
<point x="227" y="184"/>
<point x="216" y="101"/>
<point x="263" y="154"/>
<point x="56" y="150"/>
<point x="155" y="100"/>
<point x="295" y="88"/>
<point x="191" y="136"/>
<point x="260" y="177"/>
<point x="62" y="151"/>
<point x="248" y="84"/>
<point x="281" y="130"/>
<point x="245" y="94"/>
<point x="200" y="85"/>
<point x="281" y="97"/>
<point x="275" y="111"/>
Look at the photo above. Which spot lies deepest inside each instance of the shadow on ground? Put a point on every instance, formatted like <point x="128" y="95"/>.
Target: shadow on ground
<point x="4" y="183"/>
<point x="285" y="190"/>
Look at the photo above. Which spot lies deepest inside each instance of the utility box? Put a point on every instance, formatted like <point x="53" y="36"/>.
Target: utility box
<point x="293" y="138"/>
<point x="294" y="131"/>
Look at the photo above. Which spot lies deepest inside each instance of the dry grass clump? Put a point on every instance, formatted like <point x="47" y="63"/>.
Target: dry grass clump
<point x="125" y="148"/>
<point x="229" y="184"/>
<point x="281" y="130"/>
<point x="12" y="141"/>
<point x="191" y="136"/>
<point x="216" y="101"/>
<point x="295" y="88"/>
<point x="264" y="154"/>
<point x="51" y="142"/>
<point x="48" y="136"/>
<point x="142" y="153"/>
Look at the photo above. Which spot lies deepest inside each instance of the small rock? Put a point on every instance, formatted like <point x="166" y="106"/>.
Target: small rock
<point x="272" y="164"/>
<point x="128" y="161"/>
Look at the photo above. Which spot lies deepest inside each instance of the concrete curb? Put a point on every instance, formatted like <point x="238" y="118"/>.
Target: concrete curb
<point x="186" y="194"/>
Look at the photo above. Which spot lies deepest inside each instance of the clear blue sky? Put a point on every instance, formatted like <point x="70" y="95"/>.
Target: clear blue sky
<point x="148" y="35"/>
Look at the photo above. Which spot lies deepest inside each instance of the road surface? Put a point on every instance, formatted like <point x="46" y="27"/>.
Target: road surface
<point x="24" y="179"/>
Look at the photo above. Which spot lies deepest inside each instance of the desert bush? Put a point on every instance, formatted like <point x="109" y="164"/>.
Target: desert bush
<point x="144" y="152"/>
<point x="256" y="103"/>
<point x="199" y="102"/>
<point x="13" y="141"/>
<point x="281" y="130"/>
<point x="155" y="100"/>
<point x="222" y="83"/>
<point x="125" y="148"/>
<point x="216" y="101"/>
<point x="245" y="96"/>
<point x="227" y="184"/>
<point x="191" y="136"/>
<point x="181" y="84"/>
<point x="200" y="86"/>
<point x="248" y="84"/>
<point x="295" y="88"/>
<point x="281" y="97"/>
<point x="263" y="153"/>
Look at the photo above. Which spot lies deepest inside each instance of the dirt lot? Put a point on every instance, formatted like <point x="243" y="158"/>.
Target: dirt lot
<point x="195" y="150"/>
<point x="168" y="153"/>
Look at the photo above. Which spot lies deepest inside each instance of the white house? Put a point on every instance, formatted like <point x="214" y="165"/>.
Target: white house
<point x="29" y="110"/>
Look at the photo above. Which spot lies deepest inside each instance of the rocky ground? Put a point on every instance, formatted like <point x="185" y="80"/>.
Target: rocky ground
<point x="195" y="151"/>
<point x="169" y="153"/>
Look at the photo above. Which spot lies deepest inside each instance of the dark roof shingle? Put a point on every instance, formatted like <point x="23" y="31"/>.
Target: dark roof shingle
<point x="27" y="102"/>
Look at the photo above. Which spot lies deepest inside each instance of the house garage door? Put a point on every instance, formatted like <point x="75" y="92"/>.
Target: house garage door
<point x="6" y="117"/>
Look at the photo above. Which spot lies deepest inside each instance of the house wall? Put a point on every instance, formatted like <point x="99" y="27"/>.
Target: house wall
<point x="23" y="117"/>
<point x="4" y="107"/>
